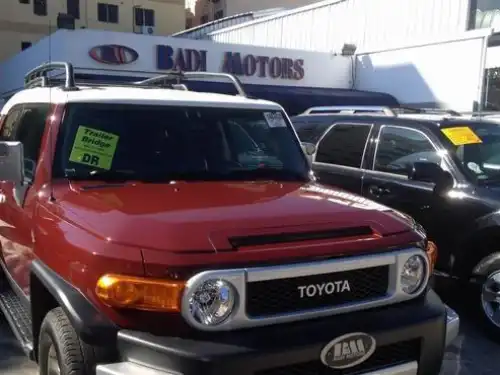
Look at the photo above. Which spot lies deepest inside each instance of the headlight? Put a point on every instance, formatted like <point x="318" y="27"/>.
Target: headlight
<point x="413" y="274"/>
<point x="212" y="302"/>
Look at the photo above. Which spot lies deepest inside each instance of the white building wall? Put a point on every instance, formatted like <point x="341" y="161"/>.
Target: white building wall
<point x="446" y="73"/>
<point x="327" y="25"/>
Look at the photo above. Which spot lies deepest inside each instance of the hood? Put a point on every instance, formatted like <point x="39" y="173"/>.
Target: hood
<point x="206" y="215"/>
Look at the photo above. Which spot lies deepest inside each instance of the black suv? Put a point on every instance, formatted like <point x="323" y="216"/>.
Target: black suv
<point x="443" y="171"/>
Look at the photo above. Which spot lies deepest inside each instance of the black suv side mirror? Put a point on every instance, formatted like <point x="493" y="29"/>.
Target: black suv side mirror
<point x="431" y="172"/>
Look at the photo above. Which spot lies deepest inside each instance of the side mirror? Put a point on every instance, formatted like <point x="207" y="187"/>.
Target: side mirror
<point x="309" y="148"/>
<point x="431" y="172"/>
<point x="12" y="162"/>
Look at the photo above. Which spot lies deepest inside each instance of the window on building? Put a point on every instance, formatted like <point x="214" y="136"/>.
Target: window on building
<point x="24" y="1"/>
<point x="65" y="21"/>
<point x="74" y="8"/>
<point x="484" y="14"/>
<point x="40" y="7"/>
<point x="107" y="13"/>
<point x="144" y="17"/>
<point x="25" y="45"/>
<point x="204" y="18"/>
<point x="219" y="14"/>
<point x="189" y="23"/>
<point x="398" y="148"/>
<point x="344" y="145"/>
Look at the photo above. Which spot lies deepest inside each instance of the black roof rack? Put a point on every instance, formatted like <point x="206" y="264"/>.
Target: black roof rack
<point x="38" y="77"/>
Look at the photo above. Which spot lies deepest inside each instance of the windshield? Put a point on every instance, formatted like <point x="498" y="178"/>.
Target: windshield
<point x="477" y="147"/>
<point x="162" y="143"/>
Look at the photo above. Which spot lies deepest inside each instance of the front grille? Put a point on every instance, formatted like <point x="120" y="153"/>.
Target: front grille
<point x="282" y="296"/>
<point x="384" y="356"/>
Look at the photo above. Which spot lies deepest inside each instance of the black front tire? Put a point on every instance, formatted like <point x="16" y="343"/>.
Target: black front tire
<point x="74" y="357"/>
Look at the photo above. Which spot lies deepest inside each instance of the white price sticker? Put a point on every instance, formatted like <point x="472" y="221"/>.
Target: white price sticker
<point x="275" y="119"/>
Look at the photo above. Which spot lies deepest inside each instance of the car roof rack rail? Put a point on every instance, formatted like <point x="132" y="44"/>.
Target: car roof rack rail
<point x="38" y="77"/>
<point x="184" y="76"/>
<point x="482" y="113"/>
<point x="347" y="109"/>
<point x="429" y="111"/>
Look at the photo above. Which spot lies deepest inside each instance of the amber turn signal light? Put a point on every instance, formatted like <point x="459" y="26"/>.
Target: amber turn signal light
<point x="432" y="254"/>
<point x="140" y="293"/>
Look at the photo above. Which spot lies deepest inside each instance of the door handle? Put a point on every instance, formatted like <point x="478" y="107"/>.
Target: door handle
<point x="378" y="191"/>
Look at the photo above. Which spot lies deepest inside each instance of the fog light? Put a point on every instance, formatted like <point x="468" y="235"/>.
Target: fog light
<point x="212" y="302"/>
<point x="413" y="274"/>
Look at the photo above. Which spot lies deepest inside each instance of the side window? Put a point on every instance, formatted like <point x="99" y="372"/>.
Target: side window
<point x="7" y="131"/>
<point x="344" y="145"/>
<point x="398" y="148"/>
<point x="29" y="131"/>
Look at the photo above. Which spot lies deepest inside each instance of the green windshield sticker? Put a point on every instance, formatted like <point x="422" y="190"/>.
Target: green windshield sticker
<point x="94" y="147"/>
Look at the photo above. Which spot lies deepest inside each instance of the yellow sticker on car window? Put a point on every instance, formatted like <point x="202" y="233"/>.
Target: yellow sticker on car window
<point x="94" y="147"/>
<point x="462" y="135"/>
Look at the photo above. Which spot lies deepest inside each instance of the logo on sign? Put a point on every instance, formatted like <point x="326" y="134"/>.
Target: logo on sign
<point x="113" y="54"/>
<point x="183" y="59"/>
<point x="331" y="287"/>
<point x="263" y="66"/>
<point x="348" y="350"/>
<point x="193" y="60"/>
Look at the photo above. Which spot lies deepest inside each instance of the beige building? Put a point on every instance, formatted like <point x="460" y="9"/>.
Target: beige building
<point x="204" y="11"/>
<point x="24" y="22"/>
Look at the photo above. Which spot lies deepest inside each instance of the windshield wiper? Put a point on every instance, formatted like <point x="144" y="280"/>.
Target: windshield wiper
<point x="130" y="175"/>
<point x="238" y="174"/>
<point x="266" y="174"/>
<point x="97" y="174"/>
<point x="114" y="176"/>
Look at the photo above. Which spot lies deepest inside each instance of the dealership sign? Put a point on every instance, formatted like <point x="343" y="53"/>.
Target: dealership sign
<point x="240" y="64"/>
<point x="113" y="54"/>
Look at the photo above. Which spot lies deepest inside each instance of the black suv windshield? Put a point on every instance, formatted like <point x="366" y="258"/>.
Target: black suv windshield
<point x="477" y="147"/>
<point x="161" y="143"/>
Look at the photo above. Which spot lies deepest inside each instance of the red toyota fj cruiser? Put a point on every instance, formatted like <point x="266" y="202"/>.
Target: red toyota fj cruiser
<point x="147" y="229"/>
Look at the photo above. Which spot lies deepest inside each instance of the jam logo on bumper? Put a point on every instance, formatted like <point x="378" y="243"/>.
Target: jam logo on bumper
<point x="113" y="54"/>
<point x="348" y="350"/>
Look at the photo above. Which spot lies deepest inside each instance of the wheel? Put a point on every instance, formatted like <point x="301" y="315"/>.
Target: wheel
<point x="490" y="304"/>
<point x="60" y="350"/>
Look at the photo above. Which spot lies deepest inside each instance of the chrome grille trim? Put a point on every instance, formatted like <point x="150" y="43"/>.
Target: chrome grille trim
<point x="240" y="277"/>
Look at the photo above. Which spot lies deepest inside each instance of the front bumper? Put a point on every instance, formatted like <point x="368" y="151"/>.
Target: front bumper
<point x="410" y="338"/>
<point x="127" y="368"/>
<point x="452" y="326"/>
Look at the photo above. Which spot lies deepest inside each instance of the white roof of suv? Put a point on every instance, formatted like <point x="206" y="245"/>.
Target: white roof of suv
<point x="146" y="92"/>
